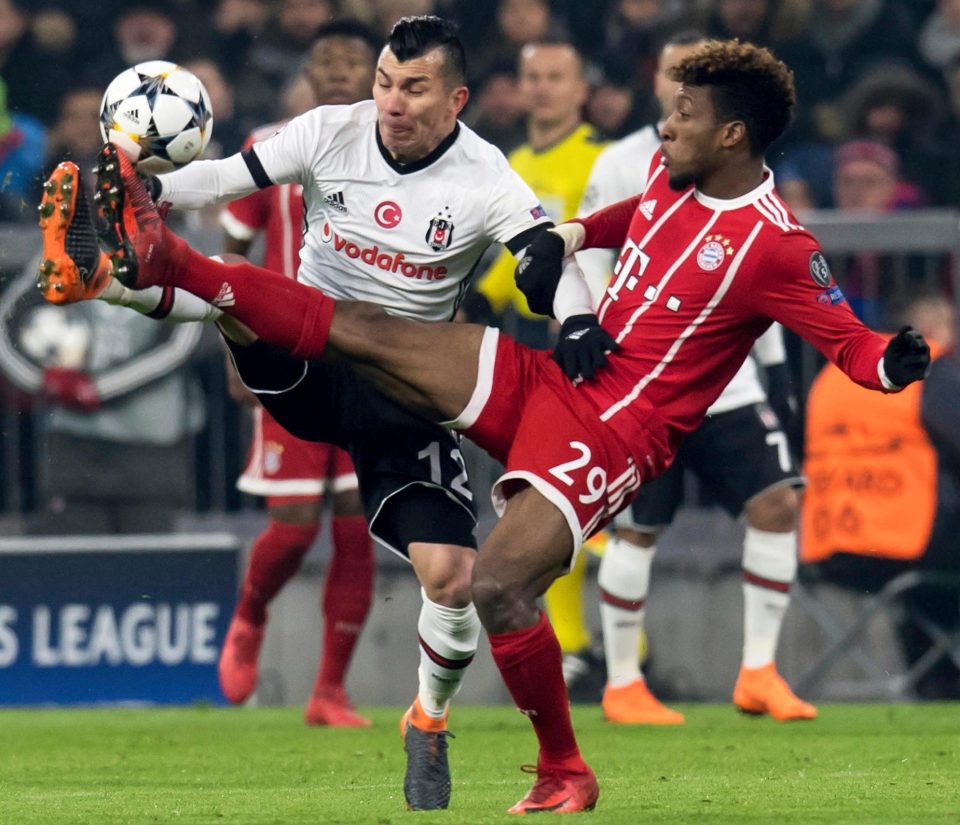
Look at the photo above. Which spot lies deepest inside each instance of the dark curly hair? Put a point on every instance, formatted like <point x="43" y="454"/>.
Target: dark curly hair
<point x="747" y="83"/>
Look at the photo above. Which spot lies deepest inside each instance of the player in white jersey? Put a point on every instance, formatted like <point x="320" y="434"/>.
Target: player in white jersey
<point x="401" y="201"/>
<point x="740" y="454"/>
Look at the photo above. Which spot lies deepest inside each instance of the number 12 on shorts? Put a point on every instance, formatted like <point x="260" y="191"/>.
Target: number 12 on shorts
<point x="431" y="454"/>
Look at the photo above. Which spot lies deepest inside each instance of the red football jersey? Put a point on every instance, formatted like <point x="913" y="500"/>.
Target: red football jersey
<point x="698" y="279"/>
<point x="277" y="211"/>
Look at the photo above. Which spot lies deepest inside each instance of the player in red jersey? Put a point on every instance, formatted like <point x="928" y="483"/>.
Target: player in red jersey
<point x="296" y="475"/>
<point x="682" y="313"/>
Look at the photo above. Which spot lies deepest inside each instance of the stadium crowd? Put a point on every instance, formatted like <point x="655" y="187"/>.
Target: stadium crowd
<point x="883" y="71"/>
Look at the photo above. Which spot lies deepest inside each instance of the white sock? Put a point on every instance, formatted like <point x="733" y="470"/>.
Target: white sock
<point x="769" y="568"/>
<point x="447" y="635"/>
<point x="624" y="579"/>
<point x="185" y="306"/>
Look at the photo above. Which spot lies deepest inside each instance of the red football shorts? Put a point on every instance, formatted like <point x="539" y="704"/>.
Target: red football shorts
<point x="282" y="465"/>
<point x="529" y="416"/>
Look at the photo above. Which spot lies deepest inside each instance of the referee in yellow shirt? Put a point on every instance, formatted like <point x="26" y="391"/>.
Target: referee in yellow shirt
<point x="555" y="162"/>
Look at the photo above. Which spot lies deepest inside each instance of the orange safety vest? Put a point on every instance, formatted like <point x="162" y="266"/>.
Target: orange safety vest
<point x="871" y="470"/>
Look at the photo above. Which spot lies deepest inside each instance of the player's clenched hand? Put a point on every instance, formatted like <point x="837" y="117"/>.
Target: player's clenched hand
<point x="583" y="347"/>
<point x="539" y="271"/>
<point x="906" y="358"/>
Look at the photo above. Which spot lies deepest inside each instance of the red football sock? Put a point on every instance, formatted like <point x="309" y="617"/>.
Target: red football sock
<point x="531" y="665"/>
<point x="347" y="593"/>
<point x="275" y="557"/>
<point x="279" y="310"/>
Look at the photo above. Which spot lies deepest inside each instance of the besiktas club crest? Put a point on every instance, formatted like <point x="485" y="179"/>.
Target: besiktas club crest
<point x="440" y="233"/>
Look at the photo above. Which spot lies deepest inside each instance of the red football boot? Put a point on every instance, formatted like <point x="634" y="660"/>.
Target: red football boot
<point x="132" y="229"/>
<point x="333" y="708"/>
<point x="559" y="792"/>
<point x="237" y="667"/>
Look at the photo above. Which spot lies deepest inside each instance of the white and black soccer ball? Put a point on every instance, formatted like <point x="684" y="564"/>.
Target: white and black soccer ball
<point x="158" y="114"/>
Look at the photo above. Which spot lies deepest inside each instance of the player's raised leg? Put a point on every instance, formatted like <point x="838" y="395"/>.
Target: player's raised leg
<point x="430" y="368"/>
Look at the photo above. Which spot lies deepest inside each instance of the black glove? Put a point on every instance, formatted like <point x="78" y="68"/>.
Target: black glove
<point x="538" y="272"/>
<point x="583" y="347"/>
<point x="906" y="358"/>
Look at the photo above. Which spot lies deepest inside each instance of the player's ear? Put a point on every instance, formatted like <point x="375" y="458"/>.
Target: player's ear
<point x="733" y="133"/>
<point x="458" y="98"/>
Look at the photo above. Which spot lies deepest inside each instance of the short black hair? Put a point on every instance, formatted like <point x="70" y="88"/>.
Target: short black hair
<point x="350" y="27"/>
<point x="746" y="83"/>
<point x="415" y="36"/>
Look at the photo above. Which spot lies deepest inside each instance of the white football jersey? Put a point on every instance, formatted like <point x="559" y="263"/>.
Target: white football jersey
<point x="406" y="237"/>
<point x="620" y="172"/>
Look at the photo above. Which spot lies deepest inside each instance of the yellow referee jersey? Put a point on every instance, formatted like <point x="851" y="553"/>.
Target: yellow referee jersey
<point x="557" y="175"/>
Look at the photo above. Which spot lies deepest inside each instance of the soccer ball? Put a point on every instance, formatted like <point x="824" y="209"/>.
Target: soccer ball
<point x="158" y="114"/>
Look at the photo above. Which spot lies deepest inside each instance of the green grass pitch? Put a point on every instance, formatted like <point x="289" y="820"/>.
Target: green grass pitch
<point x="855" y="764"/>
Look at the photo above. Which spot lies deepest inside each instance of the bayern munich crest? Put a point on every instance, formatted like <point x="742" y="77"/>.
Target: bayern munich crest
<point x="713" y="252"/>
<point x="440" y="232"/>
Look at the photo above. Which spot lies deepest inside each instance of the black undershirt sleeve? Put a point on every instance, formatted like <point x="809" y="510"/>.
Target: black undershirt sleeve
<point x="257" y="172"/>
<point x="521" y="241"/>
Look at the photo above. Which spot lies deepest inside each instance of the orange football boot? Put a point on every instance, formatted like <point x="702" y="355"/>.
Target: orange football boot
<point x="73" y="267"/>
<point x="762" y="690"/>
<point x="634" y="704"/>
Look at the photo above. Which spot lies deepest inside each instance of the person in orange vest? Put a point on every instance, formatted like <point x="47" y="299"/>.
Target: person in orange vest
<point x="883" y="491"/>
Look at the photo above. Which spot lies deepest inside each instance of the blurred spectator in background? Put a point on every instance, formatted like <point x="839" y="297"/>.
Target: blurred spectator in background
<point x="764" y="22"/>
<point x="235" y="24"/>
<point x="382" y="14"/>
<point x="142" y="30"/>
<point x="75" y="135"/>
<point x="23" y="140"/>
<point x="634" y="30"/>
<point x="902" y="109"/>
<point x="495" y="111"/>
<point x="227" y="135"/>
<point x="34" y="80"/>
<point x="939" y="42"/>
<point x="866" y="179"/>
<point x="613" y="105"/>
<point x="275" y="58"/>
<point x="843" y="40"/>
<point x="516" y="23"/>
<point x="861" y="534"/>
<point x="120" y="407"/>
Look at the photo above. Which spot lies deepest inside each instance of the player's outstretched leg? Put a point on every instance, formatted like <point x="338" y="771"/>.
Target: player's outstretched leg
<point x="73" y="267"/>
